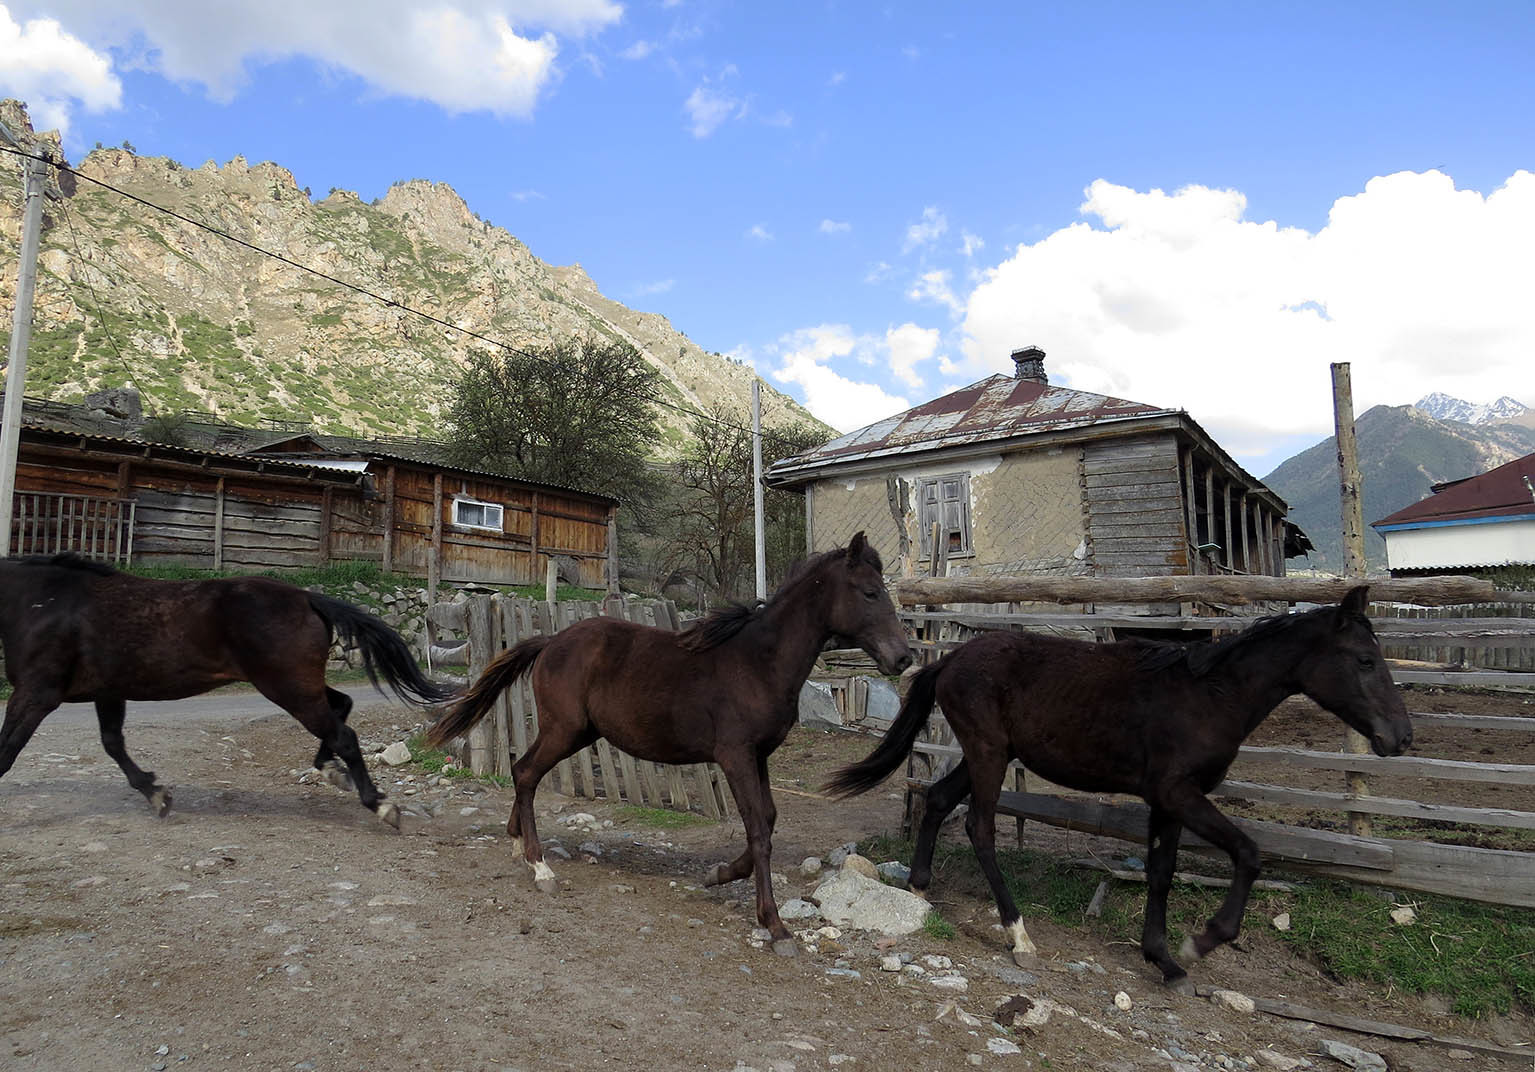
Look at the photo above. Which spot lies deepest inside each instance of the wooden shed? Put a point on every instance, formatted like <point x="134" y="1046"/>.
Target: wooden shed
<point x="1023" y="477"/>
<point x="298" y="501"/>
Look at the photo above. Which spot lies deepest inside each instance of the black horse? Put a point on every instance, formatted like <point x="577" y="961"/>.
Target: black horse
<point x="1162" y="721"/>
<point x="75" y="630"/>
<point x="726" y="690"/>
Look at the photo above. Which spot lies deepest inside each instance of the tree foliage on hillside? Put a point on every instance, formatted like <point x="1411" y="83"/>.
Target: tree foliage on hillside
<point x="578" y="412"/>
<point x="708" y="526"/>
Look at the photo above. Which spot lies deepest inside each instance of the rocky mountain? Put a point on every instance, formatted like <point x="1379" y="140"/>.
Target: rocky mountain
<point x="1403" y="451"/>
<point x="129" y="295"/>
<point x="1444" y="407"/>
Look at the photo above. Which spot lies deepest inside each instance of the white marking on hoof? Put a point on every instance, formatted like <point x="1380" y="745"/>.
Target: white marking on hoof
<point x="1023" y="945"/>
<point x="337" y="775"/>
<point x="517" y="846"/>
<point x="389" y="814"/>
<point x="1180" y="984"/>
<point x="160" y="800"/>
<point x="1189" y="951"/>
<point x="543" y="878"/>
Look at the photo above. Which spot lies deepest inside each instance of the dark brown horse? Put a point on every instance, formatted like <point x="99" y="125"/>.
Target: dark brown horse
<point x="75" y="630"/>
<point x="1162" y="721"/>
<point x="726" y="690"/>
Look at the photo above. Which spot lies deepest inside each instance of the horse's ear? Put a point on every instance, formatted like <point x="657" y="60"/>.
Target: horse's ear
<point x="855" y="547"/>
<point x="1357" y="601"/>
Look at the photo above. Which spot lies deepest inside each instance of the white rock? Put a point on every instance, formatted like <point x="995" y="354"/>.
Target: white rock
<point x="1233" y="1000"/>
<point x="1278" y="1061"/>
<point x="810" y="867"/>
<point x="1003" y="1047"/>
<point x="855" y="900"/>
<point x="1403" y="915"/>
<point x="1122" y="1002"/>
<point x="798" y="909"/>
<point x="951" y="982"/>
<point x="396" y="754"/>
<point x="1355" y="1058"/>
<point x="861" y="864"/>
<point x="1282" y="921"/>
<point x="937" y="963"/>
<point x="831" y="933"/>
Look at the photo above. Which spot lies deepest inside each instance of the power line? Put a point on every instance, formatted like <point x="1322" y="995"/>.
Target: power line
<point x="220" y="232"/>
<point x="101" y="315"/>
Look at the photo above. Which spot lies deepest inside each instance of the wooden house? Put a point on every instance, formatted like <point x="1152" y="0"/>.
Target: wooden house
<point x="297" y="501"/>
<point x="1020" y="476"/>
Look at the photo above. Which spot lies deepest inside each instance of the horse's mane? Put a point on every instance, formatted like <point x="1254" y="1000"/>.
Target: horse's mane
<point x="1202" y="658"/>
<point x="729" y="620"/>
<point x="67" y="560"/>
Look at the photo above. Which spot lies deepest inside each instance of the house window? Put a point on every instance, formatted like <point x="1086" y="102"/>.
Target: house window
<point x="946" y="500"/>
<point x="473" y="514"/>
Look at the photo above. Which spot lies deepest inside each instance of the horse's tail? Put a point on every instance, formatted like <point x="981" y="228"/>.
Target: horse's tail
<point x="868" y="772"/>
<point x="384" y="654"/>
<point x="481" y="697"/>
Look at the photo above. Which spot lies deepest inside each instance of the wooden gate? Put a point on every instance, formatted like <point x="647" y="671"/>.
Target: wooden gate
<point x="46" y="523"/>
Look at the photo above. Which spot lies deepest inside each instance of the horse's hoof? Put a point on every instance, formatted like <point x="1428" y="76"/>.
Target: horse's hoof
<point x="337" y="776"/>
<point x="390" y="814"/>
<point x="716" y="875"/>
<point x="160" y="801"/>
<point x="544" y="879"/>
<point x="786" y="947"/>
<point x="1025" y="959"/>
<point x="1179" y="984"/>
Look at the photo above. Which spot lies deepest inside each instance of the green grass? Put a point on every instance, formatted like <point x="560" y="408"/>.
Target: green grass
<point x="935" y="926"/>
<point x="1480" y="958"/>
<point x="662" y="818"/>
<point x="562" y="593"/>
<point x="434" y="760"/>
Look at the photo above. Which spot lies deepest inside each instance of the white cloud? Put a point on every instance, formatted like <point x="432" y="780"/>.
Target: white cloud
<point x="833" y="227"/>
<point x="526" y="195"/>
<point x="879" y="272"/>
<point x="971" y="243"/>
<point x="660" y="286"/>
<point x="759" y="232"/>
<point x="709" y="109"/>
<point x="908" y="346"/>
<point x="463" y="55"/>
<point x="837" y="78"/>
<point x="805" y="358"/>
<point x="52" y="71"/>
<point x="1179" y="301"/>
<point x="927" y="230"/>
<point x="638" y="51"/>
<point x="934" y="286"/>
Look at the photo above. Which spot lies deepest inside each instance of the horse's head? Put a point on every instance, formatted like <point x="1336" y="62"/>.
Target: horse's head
<point x="858" y="610"/>
<point x="1346" y="673"/>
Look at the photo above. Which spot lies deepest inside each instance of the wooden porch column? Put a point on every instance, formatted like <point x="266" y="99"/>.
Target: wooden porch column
<point x="388" y="564"/>
<point x="218" y="524"/>
<point x="1247" y="557"/>
<point x="1191" y="510"/>
<point x="612" y="550"/>
<point x="1230" y="550"/>
<point x="326" y="505"/>
<point x="1210" y="512"/>
<point x="434" y="553"/>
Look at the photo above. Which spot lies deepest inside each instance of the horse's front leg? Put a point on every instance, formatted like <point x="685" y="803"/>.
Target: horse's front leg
<point x="24" y="711"/>
<point x="1162" y="833"/>
<point x="943" y="796"/>
<point x="754" y="800"/>
<point x="1202" y="817"/>
<point x="110" y="715"/>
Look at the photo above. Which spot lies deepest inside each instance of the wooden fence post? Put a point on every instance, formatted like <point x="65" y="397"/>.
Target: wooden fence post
<point x="1353" y="552"/>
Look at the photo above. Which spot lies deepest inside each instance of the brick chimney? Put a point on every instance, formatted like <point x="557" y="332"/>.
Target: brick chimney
<point x="1031" y="364"/>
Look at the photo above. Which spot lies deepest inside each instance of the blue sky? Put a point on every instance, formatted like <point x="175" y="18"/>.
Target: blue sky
<point x="1193" y="205"/>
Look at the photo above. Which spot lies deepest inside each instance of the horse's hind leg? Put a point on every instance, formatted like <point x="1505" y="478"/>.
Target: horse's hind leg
<point x="325" y="760"/>
<point x="943" y="796"/>
<point x="554" y="742"/>
<point x="981" y="825"/>
<point x="110" y="713"/>
<point x="746" y="863"/>
<point x="26" y="708"/>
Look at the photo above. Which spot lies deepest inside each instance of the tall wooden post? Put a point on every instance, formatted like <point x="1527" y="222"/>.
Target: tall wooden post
<point x="388" y="564"/>
<point x="613" y="586"/>
<point x="34" y="176"/>
<point x="434" y="555"/>
<point x="1353" y="550"/>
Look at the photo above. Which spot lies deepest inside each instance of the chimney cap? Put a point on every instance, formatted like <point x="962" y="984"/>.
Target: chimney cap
<point x="1030" y="363"/>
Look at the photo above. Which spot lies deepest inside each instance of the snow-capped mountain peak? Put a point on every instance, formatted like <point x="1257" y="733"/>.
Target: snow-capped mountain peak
<point x="1444" y="407"/>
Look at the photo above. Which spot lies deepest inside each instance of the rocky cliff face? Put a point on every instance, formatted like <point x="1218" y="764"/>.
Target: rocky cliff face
<point x="198" y="322"/>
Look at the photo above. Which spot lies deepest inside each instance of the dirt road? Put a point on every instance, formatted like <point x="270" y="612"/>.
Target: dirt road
<point x="272" y="923"/>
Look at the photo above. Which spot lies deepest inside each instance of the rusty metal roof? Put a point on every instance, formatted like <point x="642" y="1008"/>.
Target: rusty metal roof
<point x="996" y="408"/>
<point x="1506" y="492"/>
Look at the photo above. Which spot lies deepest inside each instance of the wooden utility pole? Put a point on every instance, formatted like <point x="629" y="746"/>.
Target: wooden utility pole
<point x="1353" y="550"/>
<point x="34" y="175"/>
<point x="757" y="505"/>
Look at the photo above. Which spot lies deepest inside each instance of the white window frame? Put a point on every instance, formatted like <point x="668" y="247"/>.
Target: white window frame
<point x="950" y="506"/>
<point x="463" y="500"/>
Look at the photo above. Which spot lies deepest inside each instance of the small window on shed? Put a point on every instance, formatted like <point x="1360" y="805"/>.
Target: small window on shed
<point x="474" y="514"/>
<point x="946" y="500"/>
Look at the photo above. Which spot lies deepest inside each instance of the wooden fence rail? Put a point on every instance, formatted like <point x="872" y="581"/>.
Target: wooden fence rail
<point x="1494" y="875"/>
<point x="490" y="624"/>
<point x="91" y="526"/>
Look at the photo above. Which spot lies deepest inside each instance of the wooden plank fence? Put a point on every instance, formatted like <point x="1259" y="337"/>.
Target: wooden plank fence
<point x="1493" y="875"/>
<point x="91" y="526"/>
<point x="488" y="624"/>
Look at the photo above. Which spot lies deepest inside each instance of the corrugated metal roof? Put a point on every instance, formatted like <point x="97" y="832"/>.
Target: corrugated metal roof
<point x="1507" y="491"/>
<point x="276" y="460"/>
<point x="998" y="407"/>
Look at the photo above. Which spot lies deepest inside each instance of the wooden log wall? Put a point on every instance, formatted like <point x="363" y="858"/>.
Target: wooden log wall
<point x="1132" y="500"/>
<point x="492" y="623"/>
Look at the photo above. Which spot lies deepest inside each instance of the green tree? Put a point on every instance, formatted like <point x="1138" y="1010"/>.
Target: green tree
<point x="578" y="412"/>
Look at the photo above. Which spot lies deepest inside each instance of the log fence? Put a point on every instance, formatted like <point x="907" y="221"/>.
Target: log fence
<point x="1457" y="635"/>
<point x="474" y="632"/>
